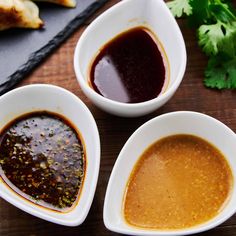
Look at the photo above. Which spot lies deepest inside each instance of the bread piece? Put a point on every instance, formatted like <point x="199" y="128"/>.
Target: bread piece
<point x="20" y="14"/>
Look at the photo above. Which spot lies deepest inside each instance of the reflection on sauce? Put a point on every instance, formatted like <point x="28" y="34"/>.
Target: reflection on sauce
<point x="130" y="68"/>
<point x="179" y="182"/>
<point x="42" y="158"/>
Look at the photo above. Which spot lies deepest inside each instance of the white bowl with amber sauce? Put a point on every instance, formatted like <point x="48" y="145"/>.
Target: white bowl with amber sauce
<point x="128" y="14"/>
<point x="182" y="122"/>
<point x="49" y="98"/>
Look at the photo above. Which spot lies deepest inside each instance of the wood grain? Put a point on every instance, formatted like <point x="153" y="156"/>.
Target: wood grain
<point x="57" y="69"/>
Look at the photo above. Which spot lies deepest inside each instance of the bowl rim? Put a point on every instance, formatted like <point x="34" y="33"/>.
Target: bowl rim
<point x="30" y="207"/>
<point x="140" y="231"/>
<point x="120" y="105"/>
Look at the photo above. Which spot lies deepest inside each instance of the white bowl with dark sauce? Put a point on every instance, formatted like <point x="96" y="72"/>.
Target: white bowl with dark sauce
<point x="132" y="58"/>
<point x="49" y="153"/>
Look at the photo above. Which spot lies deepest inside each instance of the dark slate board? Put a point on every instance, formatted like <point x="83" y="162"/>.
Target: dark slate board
<point x="21" y="49"/>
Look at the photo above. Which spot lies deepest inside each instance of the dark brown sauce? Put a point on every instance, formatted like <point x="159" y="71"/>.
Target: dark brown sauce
<point x="129" y="68"/>
<point x="42" y="157"/>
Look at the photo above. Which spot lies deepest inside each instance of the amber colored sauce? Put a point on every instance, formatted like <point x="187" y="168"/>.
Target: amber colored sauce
<point x="130" y="68"/>
<point x="179" y="182"/>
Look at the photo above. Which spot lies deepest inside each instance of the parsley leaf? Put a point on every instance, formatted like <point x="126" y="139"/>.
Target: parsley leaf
<point x="222" y="12"/>
<point x="180" y="7"/>
<point x="200" y="13"/>
<point x="217" y="38"/>
<point x="215" y="21"/>
<point x="221" y="73"/>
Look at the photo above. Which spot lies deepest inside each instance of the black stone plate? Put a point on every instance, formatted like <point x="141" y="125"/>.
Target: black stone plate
<point x="22" y="49"/>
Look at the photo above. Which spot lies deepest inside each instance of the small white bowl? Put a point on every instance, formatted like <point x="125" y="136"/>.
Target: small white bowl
<point x="152" y="14"/>
<point x="58" y="100"/>
<point x="183" y="122"/>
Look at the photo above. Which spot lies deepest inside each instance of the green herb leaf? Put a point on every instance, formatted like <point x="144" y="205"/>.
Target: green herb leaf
<point x="215" y="21"/>
<point x="221" y="73"/>
<point x="200" y="13"/>
<point x="219" y="37"/>
<point x="222" y="12"/>
<point x="180" y="7"/>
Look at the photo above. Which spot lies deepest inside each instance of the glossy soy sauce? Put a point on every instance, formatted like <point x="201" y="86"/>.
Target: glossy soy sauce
<point x="130" y="68"/>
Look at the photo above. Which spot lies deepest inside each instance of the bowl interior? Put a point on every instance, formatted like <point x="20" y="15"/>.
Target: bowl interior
<point x="51" y="98"/>
<point x="152" y="14"/>
<point x="173" y="123"/>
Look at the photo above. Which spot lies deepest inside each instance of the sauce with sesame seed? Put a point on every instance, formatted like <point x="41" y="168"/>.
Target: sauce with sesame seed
<point x="42" y="158"/>
<point x="179" y="182"/>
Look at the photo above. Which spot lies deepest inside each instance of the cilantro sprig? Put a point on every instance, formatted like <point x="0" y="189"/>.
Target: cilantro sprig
<point x="215" y="21"/>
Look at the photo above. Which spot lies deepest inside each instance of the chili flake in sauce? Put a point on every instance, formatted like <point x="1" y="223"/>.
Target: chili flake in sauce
<point x="42" y="155"/>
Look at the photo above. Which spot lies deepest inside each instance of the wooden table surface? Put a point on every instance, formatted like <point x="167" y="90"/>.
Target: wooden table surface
<point x="57" y="69"/>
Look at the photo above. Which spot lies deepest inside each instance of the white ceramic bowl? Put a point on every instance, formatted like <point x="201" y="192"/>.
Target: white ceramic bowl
<point x="55" y="99"/>
<point x="127" y="14"/>
<point x="168" y="124"/>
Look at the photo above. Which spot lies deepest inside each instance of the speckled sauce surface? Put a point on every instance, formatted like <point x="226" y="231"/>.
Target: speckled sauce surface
<point x="42" y="158"/>
<point x="179" y="182"/>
